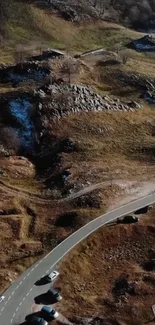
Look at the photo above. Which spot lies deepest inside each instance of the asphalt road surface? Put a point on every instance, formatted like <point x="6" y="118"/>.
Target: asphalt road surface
<point x="19" y="297"/>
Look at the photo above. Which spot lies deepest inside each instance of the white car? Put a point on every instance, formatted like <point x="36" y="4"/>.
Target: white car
<point x="2" y="298"/>
<point x="52" y="276"/>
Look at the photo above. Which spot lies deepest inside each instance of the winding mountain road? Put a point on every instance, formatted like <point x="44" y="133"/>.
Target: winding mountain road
<point x="19" y="297"/>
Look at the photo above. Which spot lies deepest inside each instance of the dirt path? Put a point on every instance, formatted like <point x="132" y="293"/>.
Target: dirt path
<point x="122" y="183"/>
<point x="132" y="189"/>
<point x="22" y="193"/>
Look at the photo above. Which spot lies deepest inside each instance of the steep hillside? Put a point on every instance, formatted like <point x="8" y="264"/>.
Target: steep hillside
<point x="106" y="279"/>
<point x="133" y="13"/>
<point x="30" y="28"/>
<point x="77" y="134"/>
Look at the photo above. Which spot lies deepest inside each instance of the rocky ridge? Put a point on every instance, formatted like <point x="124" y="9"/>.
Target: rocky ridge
<point x="144" y="44"/>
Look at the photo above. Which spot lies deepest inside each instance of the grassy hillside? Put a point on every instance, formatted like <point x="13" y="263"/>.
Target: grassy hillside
<point x="30" y="27"/>
<point x="109" y="145"/>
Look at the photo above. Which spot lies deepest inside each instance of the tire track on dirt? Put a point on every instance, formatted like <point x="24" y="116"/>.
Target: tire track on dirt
<point x="22" y="193"/>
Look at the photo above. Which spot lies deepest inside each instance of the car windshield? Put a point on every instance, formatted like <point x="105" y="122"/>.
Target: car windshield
<point x="53" y="274"/>
<point x="52" y="312"/>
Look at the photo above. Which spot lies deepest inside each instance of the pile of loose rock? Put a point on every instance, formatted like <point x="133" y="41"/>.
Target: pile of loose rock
<point x="64" y="100"/>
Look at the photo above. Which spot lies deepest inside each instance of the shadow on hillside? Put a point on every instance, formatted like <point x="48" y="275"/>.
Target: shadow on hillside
<point x="108" y="63"/>
<point x="41" y="5"/>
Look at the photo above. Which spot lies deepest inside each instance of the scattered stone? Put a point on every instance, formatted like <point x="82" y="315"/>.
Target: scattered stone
<point x="41" y="94"/>
<point x="70" y="99"/>
<point x="91" y="200"/>
<point x="98" y="320"/>
<point x="4" y="152"/>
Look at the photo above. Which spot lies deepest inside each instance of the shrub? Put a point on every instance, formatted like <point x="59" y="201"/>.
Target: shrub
<point x="9" y="141"/>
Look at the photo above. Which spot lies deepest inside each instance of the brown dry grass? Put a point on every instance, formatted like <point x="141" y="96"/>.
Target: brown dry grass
<point x="109" y="143"/>
<point x="110" y="146"/>
<point x="27" y="226"/>
<point x="89" y="272"/>
<point x="103" y="75"/>
<point x="45" y="29"/>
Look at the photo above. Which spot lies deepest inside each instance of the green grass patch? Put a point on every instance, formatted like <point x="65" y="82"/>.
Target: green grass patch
<point x="30" y="25"/>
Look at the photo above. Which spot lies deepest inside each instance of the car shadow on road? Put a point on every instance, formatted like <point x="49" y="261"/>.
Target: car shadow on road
<point x="44" y="299"/>
<point x="29" y="317"/>
<point x="41" y="281"/>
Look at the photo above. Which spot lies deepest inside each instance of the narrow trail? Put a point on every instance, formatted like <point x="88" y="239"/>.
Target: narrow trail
<point x="31" y="196"/>
<point x="23" y="193"/>
<point x="123" y="184"/>
<point x="132" y="186"/>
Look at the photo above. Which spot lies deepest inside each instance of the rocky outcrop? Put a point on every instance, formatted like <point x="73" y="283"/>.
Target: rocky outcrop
<point x="64" y="100"/>
<point x="137" y="80"/>
<point x="149" y="96"/>
<point x="4" y="152"/>
<point x="75" y="11"/>
<point x="144" y="44"/>
<point x="141" y="82"/>
<point x="21" y="72"/>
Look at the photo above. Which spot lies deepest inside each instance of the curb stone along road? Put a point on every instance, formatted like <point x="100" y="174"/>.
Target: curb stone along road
<point x="19" y="297"/>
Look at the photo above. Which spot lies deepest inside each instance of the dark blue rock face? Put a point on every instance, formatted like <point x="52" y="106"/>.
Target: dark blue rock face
<point x="21" y="108"/>
<point x="34" y="74"/>
<point x="21" y="73"/>
<point x="144" y="44"/>
<point x="150" y="98"/>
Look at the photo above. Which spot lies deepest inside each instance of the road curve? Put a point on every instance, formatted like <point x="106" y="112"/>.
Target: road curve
<point x="19" y="297"/>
